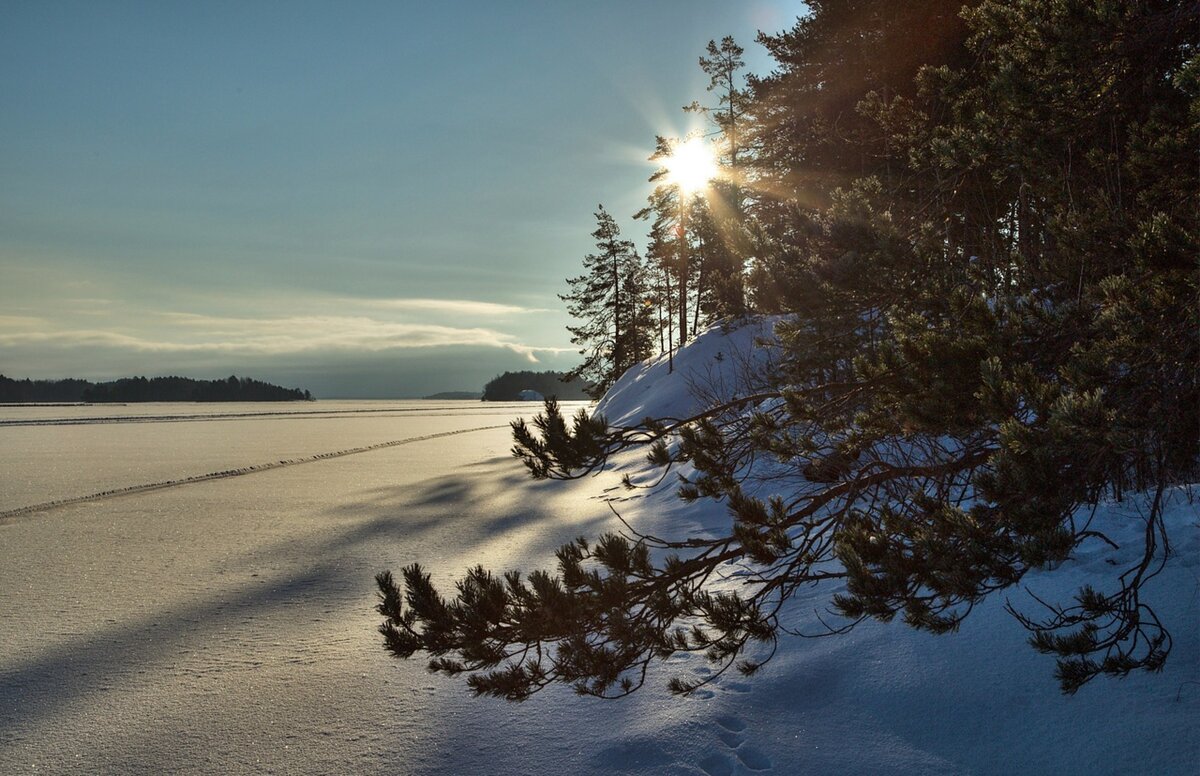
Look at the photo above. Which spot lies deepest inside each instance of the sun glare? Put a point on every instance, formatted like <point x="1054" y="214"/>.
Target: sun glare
<point x="691" y="165"/>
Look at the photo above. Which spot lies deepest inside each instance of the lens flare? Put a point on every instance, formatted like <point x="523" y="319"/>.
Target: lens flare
<point x="691" y="165"/>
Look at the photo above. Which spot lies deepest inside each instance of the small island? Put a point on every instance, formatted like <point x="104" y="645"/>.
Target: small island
<point x="141" y="389"/>
<point x="552" y="385"/>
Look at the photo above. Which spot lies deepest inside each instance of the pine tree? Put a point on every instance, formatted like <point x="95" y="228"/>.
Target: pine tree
<point x="609" y="300"/>
<point x="660" y="255"/>
<point x="668" y="206"/>
<point x="991" y="280"/>
<point x="668" y="248"/>
<point x="718" y="219"/>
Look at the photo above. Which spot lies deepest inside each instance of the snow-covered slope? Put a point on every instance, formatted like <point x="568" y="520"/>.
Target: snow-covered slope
<point x="720" y="363"/>
<point x="886" y="699"/>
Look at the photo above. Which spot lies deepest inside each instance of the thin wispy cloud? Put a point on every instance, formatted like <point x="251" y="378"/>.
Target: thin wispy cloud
<point x="449" y="306"/>
<point x="21" y="322"/>
<point x="194" y="333"/>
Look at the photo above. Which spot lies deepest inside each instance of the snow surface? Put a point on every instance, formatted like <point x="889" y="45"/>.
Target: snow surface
<point x="718" y="365"/>
<point x="226" y="625"/>
<point x="887" y="699"/>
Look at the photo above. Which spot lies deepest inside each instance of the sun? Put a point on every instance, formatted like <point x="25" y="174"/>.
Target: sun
<point x="691" y="165"/>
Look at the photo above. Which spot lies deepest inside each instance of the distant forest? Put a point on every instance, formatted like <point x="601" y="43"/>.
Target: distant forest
<point x="138" y="389"/>
<point x="508" y="386"/>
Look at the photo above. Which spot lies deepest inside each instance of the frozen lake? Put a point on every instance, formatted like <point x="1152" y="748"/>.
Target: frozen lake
<point x="50" y="453"/>
<point x="227" y="625"/>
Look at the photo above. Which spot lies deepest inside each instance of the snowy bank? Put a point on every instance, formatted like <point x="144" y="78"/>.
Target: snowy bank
<point x="884" y="698"/>
<point x="719" y="364"/>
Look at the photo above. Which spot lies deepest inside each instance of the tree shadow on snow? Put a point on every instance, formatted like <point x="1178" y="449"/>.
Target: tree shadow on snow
<point x="494" y="515"/>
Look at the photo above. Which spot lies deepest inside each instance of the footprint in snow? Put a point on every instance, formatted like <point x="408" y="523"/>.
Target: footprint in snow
<point x="732" y="724"/>
<point x="753" y="759"/>
<point x="730" y="732"/>
<point x="717" y="764"/>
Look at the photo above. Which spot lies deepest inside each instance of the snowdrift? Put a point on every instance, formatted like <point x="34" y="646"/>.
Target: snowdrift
<point x="721" y="363"/>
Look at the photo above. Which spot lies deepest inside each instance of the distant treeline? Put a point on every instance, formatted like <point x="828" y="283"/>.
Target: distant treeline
<point x="455" y="395"/>
<point x="508" y="386"/>
<point x="135" y="389"/>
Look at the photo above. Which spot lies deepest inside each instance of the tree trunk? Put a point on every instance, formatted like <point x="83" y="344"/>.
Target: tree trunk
<point x="699" y="287"/>
<point x="683" y="270"/>
<point x="616" y="349"/>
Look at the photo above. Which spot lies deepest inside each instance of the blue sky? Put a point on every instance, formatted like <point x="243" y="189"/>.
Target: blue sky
<point x="363" y="199"/>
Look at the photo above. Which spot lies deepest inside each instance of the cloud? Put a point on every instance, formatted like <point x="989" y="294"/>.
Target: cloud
<point x="376" y="348"/>
<point x="21" y="322"/>
<point x="193" y="333"/>
<point x="450" y="306"/>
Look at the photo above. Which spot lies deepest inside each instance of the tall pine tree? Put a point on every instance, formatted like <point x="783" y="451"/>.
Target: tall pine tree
<point x="609" y="300"/>
<point x="718" y="218"/>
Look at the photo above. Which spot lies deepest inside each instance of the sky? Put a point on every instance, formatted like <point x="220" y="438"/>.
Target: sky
<point x="361" y="199"/>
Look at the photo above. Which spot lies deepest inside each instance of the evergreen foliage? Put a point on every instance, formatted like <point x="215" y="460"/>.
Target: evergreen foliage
<point x="69" y="390"/>
<point x="986" y="247"/>
<point x="610" y="303"/>
<point x="666" y="210"/>
<point x="139" y="389"/>
<point x="550" y="384"/>
<point x="718" y="218"/>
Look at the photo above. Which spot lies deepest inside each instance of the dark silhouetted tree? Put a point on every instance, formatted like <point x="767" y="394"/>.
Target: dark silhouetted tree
<point x="718" y="218"/>
<point x="232" y="388"/>
<point x="609" y="300"/>
<point x="551" y="385"/>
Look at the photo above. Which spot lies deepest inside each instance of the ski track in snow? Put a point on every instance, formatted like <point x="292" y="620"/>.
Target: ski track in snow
<point x="433" y="412"/>
<point x="262" y="467"/>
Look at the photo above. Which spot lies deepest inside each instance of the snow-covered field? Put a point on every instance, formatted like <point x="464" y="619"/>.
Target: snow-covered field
<point x="226" y="625"/>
